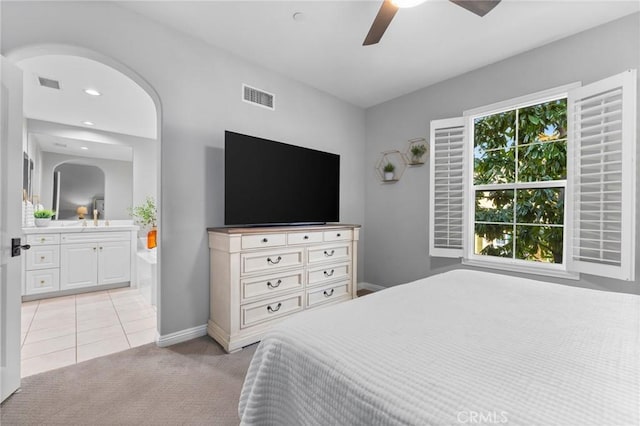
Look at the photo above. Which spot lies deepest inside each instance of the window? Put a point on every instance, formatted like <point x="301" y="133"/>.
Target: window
<point x="519" y="179"/>
<point x="544" y="183"/>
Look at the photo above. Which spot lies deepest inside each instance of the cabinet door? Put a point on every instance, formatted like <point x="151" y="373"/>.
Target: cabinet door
<point x="78" y="265"/>
<point x="114" y="262"/>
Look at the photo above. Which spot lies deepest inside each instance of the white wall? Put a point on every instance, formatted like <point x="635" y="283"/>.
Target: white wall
<point x="396" y="215"/>
<point x="199" y="87"/>
<point x="118" y="185"/>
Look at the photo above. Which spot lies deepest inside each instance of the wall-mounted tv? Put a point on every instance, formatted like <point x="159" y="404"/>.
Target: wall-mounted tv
<point x="273" y="183"/>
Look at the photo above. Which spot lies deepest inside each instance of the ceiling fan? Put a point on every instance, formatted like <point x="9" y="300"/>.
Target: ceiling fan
<point x="390" y="7"/>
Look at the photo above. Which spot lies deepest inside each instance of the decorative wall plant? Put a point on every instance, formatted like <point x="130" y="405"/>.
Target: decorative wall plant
<point x="391" y="166"/>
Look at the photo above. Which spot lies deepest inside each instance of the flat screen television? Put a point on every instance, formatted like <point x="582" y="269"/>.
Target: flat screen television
<point x="273" y="183"/>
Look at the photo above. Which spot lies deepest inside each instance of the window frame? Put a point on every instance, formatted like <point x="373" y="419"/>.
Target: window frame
<point x="511" y="264"/>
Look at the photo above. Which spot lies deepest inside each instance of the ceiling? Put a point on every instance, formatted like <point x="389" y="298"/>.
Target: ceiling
<point x="123" y="106"/>
<point x="426" y="44"/>
<point x="82" y="147"/>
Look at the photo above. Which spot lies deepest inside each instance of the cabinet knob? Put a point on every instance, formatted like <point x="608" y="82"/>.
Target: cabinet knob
<point x="338" y="235"/>
<point x="95" y="248"/>
<point x="42" y="240"/>
<point x="101" y="248"/>
<point x="306" y="237"/>
<point x="41" y="281"/>
<point x="41" y="257"/>
<point x="264" y="240"/>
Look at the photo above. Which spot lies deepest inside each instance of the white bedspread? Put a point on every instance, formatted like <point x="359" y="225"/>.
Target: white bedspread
<point x="449" y="349"/>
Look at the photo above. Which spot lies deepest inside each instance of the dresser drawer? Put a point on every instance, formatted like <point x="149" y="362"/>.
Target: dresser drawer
<point x="330" y="253"/>
<point x="42" y="239"/>
<point x="43" y="257"/>
<point x="329" y="273"/>
<point x="328" y="293"/>
<point x="42" y="281"/>
<point x="265" y="261"/>
<point x="272" y="284"/>
<point x="304" y="237"/>
<point x="263" y="240"/>
<point x="338" y="235"/>
<point x="256" y="313"/>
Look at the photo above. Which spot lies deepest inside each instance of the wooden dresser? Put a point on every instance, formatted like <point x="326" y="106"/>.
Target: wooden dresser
<point x="261" y="275"/>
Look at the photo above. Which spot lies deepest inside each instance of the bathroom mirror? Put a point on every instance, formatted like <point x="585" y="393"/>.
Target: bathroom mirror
<point x="77" y="185"/>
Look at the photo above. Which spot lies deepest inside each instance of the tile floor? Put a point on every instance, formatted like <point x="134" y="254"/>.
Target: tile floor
<point x="67" y="330"/>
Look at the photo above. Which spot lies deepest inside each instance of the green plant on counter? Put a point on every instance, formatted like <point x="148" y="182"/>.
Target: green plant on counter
<point x="44" y="214"/>
<point x="146" y="213"/>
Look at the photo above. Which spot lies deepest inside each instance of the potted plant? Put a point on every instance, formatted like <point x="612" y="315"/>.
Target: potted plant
<point x="389" y="170"/>
<point x="43" y="217"/>
<point x="146" y="216"/>
<point x="417" y="151"/>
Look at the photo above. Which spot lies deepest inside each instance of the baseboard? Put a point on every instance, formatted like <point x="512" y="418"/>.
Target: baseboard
<point x="181" y="336"/>
<point x="369" y="286"/>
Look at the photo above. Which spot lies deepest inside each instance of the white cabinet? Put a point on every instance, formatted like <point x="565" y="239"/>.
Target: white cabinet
<point x="79" y="265"/>
<point x="67" y="261"/>
<point x="261" y="275"/>
<point x="96" y="263"/>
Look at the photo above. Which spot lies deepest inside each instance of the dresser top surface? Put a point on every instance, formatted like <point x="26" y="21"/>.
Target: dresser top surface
<point x="279" y="229"/>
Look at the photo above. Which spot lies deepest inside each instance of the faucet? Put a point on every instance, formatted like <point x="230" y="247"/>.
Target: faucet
<point x="95" y="217"/>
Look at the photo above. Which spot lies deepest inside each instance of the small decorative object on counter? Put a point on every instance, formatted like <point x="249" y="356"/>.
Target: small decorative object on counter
<point x="43" y="217"/>
<point x="145" y="215"/>
<point x="81" y="211"/>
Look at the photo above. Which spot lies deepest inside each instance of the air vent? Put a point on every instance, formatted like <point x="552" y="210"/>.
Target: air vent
<point x="47" y="82"/>
<point x="257" y="97"/>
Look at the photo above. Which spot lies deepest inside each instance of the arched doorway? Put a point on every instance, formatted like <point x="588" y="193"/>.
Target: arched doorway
<point x="67" y="133"/>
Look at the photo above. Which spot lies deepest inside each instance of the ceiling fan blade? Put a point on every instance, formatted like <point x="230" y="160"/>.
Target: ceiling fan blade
<point x="383" y="19"/>
<point x="479" y="7"/>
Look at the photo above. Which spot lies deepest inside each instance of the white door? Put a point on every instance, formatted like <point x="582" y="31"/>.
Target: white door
<point x="10" y="225"/>
<point x="114" y="262"/>
<point x="78" y="265"/>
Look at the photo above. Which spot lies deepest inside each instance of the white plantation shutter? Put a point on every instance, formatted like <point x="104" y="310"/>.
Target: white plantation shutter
<point x="447" y="192"/>
<point x="601" y="174"/>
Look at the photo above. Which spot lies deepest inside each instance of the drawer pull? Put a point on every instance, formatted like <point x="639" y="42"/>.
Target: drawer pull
<point x="306" y="237"/>
<point x="338" y="235"/>
<point x="272" y="310"/>
<point x="329" y="294"/>
<point x="41" y="281"/>
<point x="95" y="248"/>
<point x="42" y="240"/>
<point x="328" y="274"/>
<point x="101" y="248"/>
<point x="329" y="254"/>
<point x="276" y="285"/>
<point x="274" y="262"/>
<point x="265" y="240"/>
<point x="41" y="257"/>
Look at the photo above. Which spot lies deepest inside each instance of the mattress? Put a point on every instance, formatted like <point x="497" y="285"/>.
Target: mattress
<point x="463" y="347"/>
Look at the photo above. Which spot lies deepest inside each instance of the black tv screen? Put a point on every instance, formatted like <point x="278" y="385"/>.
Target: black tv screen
<point x="269" y="183"/>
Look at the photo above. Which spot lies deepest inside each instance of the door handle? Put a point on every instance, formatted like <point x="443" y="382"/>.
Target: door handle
<point x="17" y="247"/>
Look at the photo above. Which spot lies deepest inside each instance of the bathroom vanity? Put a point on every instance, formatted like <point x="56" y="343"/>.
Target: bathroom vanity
<point x="67" y="258"/>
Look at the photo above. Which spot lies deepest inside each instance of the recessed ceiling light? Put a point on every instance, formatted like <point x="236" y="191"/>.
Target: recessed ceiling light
<point x="83" y="147"/>
<point x="88" y="123"/>
<point x="92" y="92"/>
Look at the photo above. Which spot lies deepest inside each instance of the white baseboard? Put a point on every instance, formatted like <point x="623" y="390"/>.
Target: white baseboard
<point x="369" y="286"/>
<point x="181" y="336"/>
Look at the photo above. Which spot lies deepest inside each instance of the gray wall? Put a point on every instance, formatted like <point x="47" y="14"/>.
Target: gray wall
<point x="199" y="87"/>
<point x="79" y="186"/>
<point x="117" y="187"/>
<point x="396" y="215"/>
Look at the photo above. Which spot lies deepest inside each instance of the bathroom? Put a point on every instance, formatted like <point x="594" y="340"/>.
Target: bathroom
<point x="91" y="155"/>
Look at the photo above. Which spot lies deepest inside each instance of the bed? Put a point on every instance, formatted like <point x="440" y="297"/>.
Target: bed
<point x="463" y="347"/>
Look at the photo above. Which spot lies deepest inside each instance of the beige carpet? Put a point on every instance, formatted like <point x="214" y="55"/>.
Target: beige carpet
<point x="192" y="383"/>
